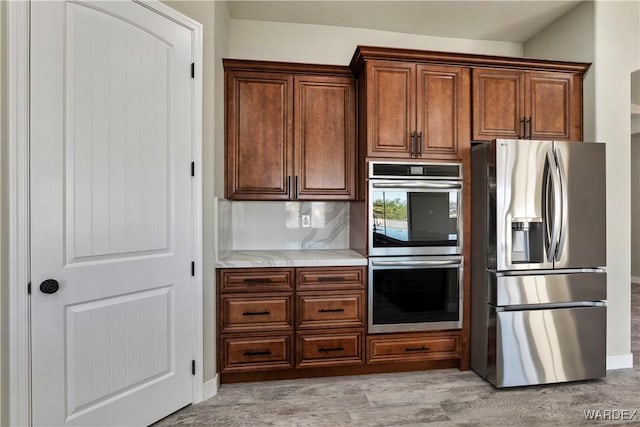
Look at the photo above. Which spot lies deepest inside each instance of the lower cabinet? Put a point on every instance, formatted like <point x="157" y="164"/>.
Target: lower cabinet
<point x="330" y="348"/>
<point x="276" y="323"/>
<point x="412" y="347"/>
<point x="254" y="352"/>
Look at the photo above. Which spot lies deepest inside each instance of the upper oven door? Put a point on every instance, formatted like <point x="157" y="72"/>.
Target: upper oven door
<point x="415" y="217"/>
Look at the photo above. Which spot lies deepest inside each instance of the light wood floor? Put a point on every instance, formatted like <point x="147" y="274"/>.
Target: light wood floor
<point x="435" y="398"/>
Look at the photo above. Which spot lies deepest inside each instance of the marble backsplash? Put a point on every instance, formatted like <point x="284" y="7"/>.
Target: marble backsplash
<point x="279" y="226"/>
<point x="224" y="225"/>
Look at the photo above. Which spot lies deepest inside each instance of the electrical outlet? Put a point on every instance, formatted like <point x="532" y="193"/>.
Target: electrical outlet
<point x="306" y="221"/>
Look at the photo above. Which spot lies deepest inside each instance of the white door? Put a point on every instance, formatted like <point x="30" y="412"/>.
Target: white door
<point x="111" y="213"/>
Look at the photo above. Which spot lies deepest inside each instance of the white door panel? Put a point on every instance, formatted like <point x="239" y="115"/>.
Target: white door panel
<point x="111" y="213"/>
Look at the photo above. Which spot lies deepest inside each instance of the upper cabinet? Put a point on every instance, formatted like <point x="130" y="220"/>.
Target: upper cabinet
<point x="290" y="132"/>
<point x="417" y="104"/>
<point x="526" y="104"/>
<point x="414" y="110"/>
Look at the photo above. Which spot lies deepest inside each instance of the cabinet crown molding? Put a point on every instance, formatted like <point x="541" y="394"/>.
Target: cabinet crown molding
<point x="367" y="53"/>
<point x="285" y="67"/>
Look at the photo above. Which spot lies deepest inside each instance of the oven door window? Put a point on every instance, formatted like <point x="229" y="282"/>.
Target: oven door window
<point x="420" y="218"/>
<point x="415" y="295"/>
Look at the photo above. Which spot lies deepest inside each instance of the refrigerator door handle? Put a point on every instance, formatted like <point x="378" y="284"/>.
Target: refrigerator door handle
<point x="563" y="204"/>
<point x="555" y="212"/>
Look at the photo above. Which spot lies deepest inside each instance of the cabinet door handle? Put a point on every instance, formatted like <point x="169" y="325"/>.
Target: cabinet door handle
<point x="529" y="122"/>
<point x="421" y="348"/>
<point x="523" y="129"/>
<point x="295" y="194"/>
<point x="289" y="186"/>
<point x="331" y="310"/>
<point x="332" y="279"/>
<point x="256" y="313"/>
<point x="413" y="144"/>
<point x="257" y="281"/>
<point x="420" y="143"/>
<point x="328" y="349"/>
<point x="257" y="353"/>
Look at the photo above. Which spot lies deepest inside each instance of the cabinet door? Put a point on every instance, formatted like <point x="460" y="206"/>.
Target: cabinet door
<point x="498" y="104"/>
<point x="554" y="104"/>
<point x="390" y="108"/>
<point x="442" y="111"/>
<point x="259" y="144"/>
<point x="325" y="137"/>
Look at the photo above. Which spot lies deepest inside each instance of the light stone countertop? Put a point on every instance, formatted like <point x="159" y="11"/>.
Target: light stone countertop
<point x="292" y="258"/>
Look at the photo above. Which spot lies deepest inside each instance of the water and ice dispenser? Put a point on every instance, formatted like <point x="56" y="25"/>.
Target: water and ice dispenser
<point x="526" y="241"/>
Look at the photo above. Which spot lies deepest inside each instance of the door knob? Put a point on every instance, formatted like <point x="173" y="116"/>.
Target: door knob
<point x="49" y="286"/>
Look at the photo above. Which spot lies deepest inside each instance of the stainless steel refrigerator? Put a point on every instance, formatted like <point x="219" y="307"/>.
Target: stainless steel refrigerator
<point x="538" y="280"/>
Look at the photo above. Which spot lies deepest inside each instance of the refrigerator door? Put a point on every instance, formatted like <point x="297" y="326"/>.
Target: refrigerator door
<point x="509" y="289"/>
<point x="523" y="230"/>
<point x="582" y="237"/>
<point x="546" y="346"/>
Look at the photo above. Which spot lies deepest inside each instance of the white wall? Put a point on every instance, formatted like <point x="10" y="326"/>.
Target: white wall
<point x="323" y="44"/>
<point x="214" y="18"/>
<point x="609" y="31"/>
<point x="4" y="288"/>
<point x="635" y="206"/>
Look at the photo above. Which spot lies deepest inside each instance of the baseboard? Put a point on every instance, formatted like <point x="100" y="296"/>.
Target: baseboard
<point x="210" y="387"/>
<point x="622" y="361"/>
<point x="635" y="279"/>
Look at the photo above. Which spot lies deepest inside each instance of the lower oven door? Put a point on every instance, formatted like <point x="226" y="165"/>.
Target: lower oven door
<point x="415" y="293"/>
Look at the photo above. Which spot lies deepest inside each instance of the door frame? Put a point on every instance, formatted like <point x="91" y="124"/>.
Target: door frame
<point x="18" y="304"/>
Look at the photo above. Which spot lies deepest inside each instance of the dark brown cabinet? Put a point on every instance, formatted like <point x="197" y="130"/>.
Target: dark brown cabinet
<point x="259" y="135"/>
<point x="277" y="319"/>
<point x="415" y="110"/>
<point x="413" y="347"/>
<point x="526" y="104"/>
<point x="290" y="134"/>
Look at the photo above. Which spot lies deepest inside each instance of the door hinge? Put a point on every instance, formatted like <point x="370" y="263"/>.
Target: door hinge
<point x="193" y="367"/>
<point x="193" y="70"/>
<point x="193" y="168"/>
<point x="29" y="288"/>
<point x="193" y="268"/>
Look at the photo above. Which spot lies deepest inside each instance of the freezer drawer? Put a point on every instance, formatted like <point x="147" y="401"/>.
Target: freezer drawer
<point x="546" y="288"/>
<point x="546" y="346"/>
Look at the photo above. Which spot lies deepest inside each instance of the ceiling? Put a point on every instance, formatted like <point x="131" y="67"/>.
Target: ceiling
<point x="510" y="21"/>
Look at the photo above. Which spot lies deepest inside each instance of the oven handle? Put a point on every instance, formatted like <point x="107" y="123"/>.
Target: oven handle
<point x="412" y="263"/>
<point x="439" y="185"/>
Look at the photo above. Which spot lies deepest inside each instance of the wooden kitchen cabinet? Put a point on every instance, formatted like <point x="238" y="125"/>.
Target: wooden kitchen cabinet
<point x="325" y="138"/>
<point x="290" y="318"/>
<point x="516" y="104"/>
<point x="290" y="132"/>
<point x="255" y="319"/>
<point x="259" y="135"/>
<point x="416" y="110"/>
<point x="413" y="347"/>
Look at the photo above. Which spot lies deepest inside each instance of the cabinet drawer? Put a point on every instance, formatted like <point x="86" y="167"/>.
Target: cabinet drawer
<point x="344" y="309"/>
<point x="413" y="348"/>
<point x="256" y="313"/>
<point x="331" y="278"/>
<point x="252" y="353"/>
<point x="256" y="280"/>
<point x="336" y="348"/>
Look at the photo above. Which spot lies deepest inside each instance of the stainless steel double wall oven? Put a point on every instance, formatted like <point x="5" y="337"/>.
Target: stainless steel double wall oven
<point x="415" y="246"/>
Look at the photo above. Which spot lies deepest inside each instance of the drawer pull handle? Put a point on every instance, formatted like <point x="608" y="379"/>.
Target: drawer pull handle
<point x="258" y="281"/>
<point x="258" y="353"/>
<point x="423" y="348"/>
<point x="256" y="313"/>
<point x="332" y="279"/>
<point x="331" y="310"/>
<point x="328" y="349"/>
